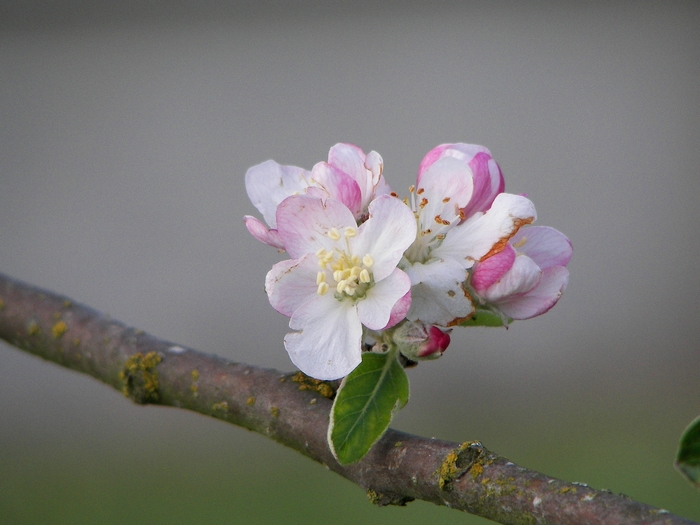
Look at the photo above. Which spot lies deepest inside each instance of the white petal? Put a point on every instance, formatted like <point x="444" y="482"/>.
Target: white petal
<point x="487" y="232"/>
<point x="270" y="183"/>
<point x="375" y="309"/>
<point x="329" y="343"/>
<point x="540" y="299"/>
<point x="445" y="187"/>
<point x="292" y="282"/>
<point x="544" y="245"/>
<point x="522" y="277"/>
<point x="437" y="295"/>
<point x="303" y="223"/>
<point x="388" y="232"/>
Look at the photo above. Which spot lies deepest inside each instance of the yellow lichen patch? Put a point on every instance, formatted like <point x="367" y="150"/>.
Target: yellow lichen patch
<point x="194" y="387"/>
<point x="2" y="304"/>
<point x="67" y="303"/>
<point x="457" y="462"/>
<point x="476" y="470"/>
<point x="220" y="407"/>
<point x="140" y="377"/>
<point x="275" y="411"/>
<point x="316" y="385"/>
<point x="565" y="490"/>
<point x="250" y="401"/>
<point x="59" y="329"/>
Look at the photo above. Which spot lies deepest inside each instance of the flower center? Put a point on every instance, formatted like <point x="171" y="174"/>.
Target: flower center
<point x="350" y="275"/>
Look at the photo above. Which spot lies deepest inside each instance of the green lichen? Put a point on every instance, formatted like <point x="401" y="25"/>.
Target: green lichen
<point x="141" y="377"/>
<point x="324" y="388"/>
<point x="457" y="462"/>
<point x="59" y="329"/>
<point x="275" y="411"/>
<point x="250" y="401"/>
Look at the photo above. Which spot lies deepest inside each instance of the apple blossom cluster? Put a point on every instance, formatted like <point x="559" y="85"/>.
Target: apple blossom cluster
<point x="363" y="263"/>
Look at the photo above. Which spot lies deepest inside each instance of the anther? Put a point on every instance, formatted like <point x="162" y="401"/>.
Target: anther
<point x="322" y="288"/>
<point x="320" y="277"/>
<point x="368" y="261"/>
<point x="364" y="276"/>
<point x="334" y="234"/>
<point x="350" y="232"/>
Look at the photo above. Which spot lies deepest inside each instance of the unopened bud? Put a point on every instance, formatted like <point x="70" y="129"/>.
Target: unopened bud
<point x="418" y="341"/>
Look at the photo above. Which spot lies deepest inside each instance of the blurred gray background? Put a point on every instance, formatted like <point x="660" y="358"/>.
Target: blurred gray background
<point x="125" y="134"/>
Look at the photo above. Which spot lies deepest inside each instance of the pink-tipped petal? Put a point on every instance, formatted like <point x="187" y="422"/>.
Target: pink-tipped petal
<point x="376" y="309"/>
<point x="540" y="299"/>
<point x="544" y="245"/>
<point x="269" y="183"/>
<point x="521" y="277"/>
<point x="303" y="223"/>
<point x="262" y="233"/>
<point x="486" y="234"/>
<point x="339" y="185"/>
<point x="488" y="183"/>
<point x="489" y="271"/>
<point x="399" y="311"/>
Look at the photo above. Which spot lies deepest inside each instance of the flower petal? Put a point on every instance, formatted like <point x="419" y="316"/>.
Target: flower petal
<point x="488" y="179"/>
<point x="292" y="282"/>
<point x="303" y="223"/>
<point x="389" y="231"/>
<point x="445" y="188"/>
<point x="521" y="277"/>
<point x="489" y="271"/>
<point x="366" y="170"/>
<point x="339" y="185"/>
<point x="377" y="307"/>
<point x="544" y="245"/>
<point x="270" y="183"/>
<point x="329" y="343"/>
<point x="262" y="233"/>
<point x="540" y="299"/>
<point x="485" y="234"/>
<point x="437" y="295"/>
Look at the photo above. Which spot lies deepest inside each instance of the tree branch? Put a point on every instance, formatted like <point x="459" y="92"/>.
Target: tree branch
<point x="294" y="411"/>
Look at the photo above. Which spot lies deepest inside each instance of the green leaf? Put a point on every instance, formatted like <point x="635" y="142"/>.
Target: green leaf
<point x="365" y="404"/>
<point x="688" y="457"/>
<point x="484" y="318"/>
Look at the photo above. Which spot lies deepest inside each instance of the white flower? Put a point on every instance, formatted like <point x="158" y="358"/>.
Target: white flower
<point x="462" y="217"/>
<point x="349" y="176"/>
<point x="339" y="278"/>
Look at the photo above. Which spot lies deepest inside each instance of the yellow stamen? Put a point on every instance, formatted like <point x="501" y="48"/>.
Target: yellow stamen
<point x="368" y="261"/>
<point x="322" y="288"/>
<point x="334" y="234"/>
<point x="350" y="232"/>
<point x="320" y="277"/>
<point x="364" y="276"/>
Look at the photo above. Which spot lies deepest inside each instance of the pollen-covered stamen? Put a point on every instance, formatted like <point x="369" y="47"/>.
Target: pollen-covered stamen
<point x="350" y="274"/>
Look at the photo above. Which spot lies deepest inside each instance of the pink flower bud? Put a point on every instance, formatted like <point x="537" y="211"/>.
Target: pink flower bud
<point x="418" y="341"/>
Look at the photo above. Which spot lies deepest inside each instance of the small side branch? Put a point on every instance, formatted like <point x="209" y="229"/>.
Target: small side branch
<point x="400" y="468"/>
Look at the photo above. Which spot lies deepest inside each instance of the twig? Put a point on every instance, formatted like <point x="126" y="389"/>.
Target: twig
<point x="400" y="468"/>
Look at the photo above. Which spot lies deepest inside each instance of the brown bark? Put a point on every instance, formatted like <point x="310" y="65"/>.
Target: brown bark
<point x="400" y="468"/>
